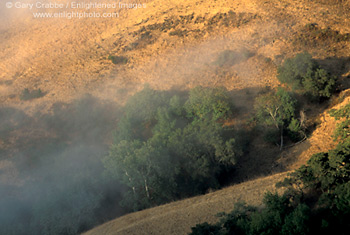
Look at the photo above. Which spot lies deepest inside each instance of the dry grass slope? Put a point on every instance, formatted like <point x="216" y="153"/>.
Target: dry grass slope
<point x="174" y="44"/>
<point x="168" y="44"/>
<point x="179" y="217"/>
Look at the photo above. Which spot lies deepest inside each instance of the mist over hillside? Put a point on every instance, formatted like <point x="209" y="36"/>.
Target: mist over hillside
<point x="161" y="86"/>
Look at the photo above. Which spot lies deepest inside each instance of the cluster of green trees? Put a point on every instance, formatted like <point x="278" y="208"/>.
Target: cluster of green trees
<point x="277" y="110"/>
<point x="302" y="73"/>
<point x="316" y="199"/>
<point x="167" y="147"/>
<point x="280" y="111"/>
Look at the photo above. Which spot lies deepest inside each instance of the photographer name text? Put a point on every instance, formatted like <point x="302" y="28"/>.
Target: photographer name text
<point x="74" y="5"/>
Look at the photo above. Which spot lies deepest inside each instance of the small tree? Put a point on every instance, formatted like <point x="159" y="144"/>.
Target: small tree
<point x="305" y="74"/>
<point x="276" y="109"/>
<point x="29" y="95"/>
<point x="318" y="83"/>
<point x="294" y="69"/>
<point x="342" y="131"/>
<point x="316" y="199"/>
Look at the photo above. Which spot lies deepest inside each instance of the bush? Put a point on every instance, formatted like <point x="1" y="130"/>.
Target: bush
<point x="118" y="59"/>
<point x="293" y="70"/>
<point x="316" y="199"/>
<point x="304" y="74"/>
<point x="295" y="132"/>
<point x="179" y="33"/>
<point x="205" y="229"/>
<point x="319" y="83"/>
<point x="230" y="58"/>
<point x="342" y="131"/>
<point x="29" y="95"/>
<point x="312" y="31"/>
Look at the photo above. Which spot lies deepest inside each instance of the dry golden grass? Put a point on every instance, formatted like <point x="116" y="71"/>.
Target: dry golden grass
<point x="179" y="217"/>
<point x="322" y="138"/>
<point x="69" y="57"/>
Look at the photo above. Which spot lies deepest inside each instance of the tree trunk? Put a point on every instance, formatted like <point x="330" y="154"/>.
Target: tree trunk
<point x="133" y="187"/>
<point x="281" y="146"/>
<point x="146" y="188"/>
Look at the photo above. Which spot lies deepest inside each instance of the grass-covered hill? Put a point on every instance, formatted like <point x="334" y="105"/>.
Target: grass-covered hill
<point x="168" y="44"/>
<point x="68" y="114"/>
<point x="179" y="217"/>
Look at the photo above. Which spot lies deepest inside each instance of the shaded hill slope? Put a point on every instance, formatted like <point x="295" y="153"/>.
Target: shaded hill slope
<point x="176" y="44"/>
<point x="179" y="217"/>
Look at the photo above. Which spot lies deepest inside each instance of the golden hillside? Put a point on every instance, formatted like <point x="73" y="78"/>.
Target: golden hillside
<point x="174" y="44"/>
<point x="179" y="217"/>
<point x="168" y="44"/>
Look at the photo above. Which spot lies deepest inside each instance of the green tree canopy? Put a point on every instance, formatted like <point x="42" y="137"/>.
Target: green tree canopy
<point x="342" y="131"/>
<point x="276" y="109"/>
<point x="316" y="201"/>
<point x="174" y="149"/>
<point x="318" y="83"/>
<point x="294" y="69"/>
<point x="212" y="103"/>
<point x="305" y="74"/>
